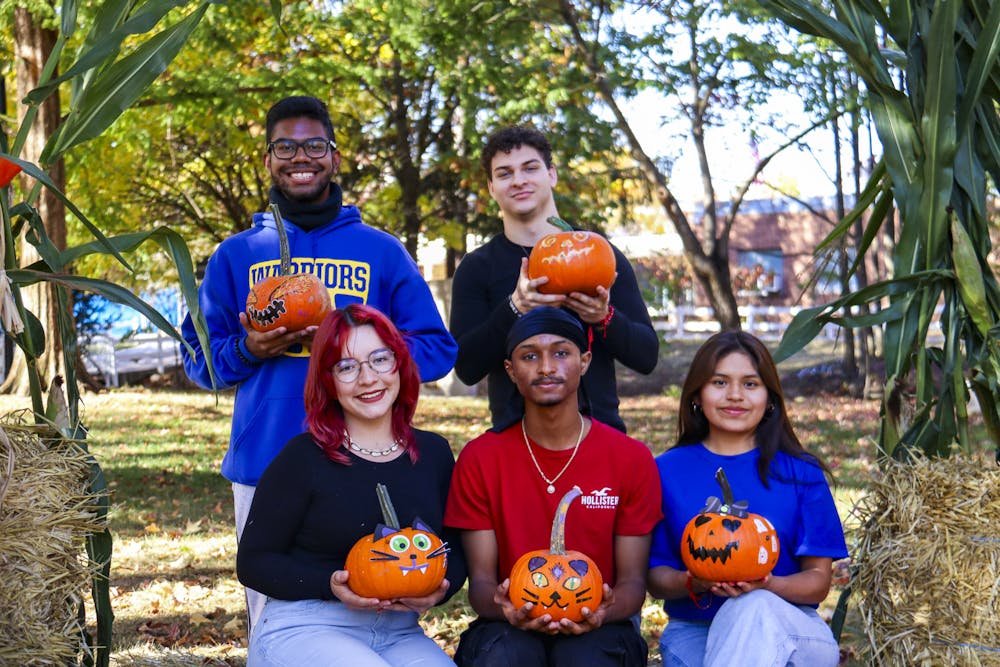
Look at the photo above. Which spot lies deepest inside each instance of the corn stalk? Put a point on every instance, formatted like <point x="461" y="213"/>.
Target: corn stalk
<point x="125" y="48"/>
<point x="932" y="75"/>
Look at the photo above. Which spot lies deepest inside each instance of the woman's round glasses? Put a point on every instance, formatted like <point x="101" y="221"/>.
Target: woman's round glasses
<point x="380" y="361"/>
<point x="285" y="149"/>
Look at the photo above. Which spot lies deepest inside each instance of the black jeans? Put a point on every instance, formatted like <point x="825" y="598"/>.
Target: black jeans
<point x="499" y="644"/>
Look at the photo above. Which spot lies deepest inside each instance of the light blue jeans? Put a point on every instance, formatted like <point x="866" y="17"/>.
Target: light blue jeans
<point x="323" y="633"/>
<point x="758" y="629"/>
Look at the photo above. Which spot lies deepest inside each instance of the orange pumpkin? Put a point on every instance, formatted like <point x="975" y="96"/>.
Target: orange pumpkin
<point x="725" y="542"/>
<point x="573" y="261"/>
<point x="285" y="300"/>
<point x="557" y="582"/>
<point x="395" y="562"/>
<point x="295" y="302"/>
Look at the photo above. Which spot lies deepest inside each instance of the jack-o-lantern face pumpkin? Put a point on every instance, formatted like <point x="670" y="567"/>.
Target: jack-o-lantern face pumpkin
<point x="557" y="582"/>
<point x="295" y="302"/>
<point x="395" y="562"/>
<point x="725" y="542"/>
<point x="573" y="261"/>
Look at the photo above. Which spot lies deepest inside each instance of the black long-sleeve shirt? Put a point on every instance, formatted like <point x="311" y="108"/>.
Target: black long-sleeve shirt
<point x="308" y="512"/>
<point x="481" y="318"/>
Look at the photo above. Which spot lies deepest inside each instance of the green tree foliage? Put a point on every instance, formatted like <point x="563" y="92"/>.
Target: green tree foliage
<point x="709" y="60"/>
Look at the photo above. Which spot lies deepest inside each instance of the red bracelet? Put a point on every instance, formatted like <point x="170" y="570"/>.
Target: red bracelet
<point x="603" y="324"/>
<point x="695" y="596"/>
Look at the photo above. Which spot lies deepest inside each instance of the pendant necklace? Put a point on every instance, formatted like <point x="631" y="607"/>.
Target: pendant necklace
<point x="374" y="452"/>
<point x="551" y="488"/>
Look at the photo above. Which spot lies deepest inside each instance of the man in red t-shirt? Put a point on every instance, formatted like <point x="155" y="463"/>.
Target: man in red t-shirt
<point x="504" y="493"/>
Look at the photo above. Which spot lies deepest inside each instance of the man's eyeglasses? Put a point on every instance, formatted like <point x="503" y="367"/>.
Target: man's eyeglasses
<point x="380" y="361"/>
<point x="285" y="149"/>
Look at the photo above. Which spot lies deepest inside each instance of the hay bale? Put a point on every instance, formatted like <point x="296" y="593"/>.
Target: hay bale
<point x="927" y="576"/>
<point x="45" y="515"/>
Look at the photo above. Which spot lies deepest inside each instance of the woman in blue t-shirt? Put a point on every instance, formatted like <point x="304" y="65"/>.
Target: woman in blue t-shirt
<point x="733" y="417"/>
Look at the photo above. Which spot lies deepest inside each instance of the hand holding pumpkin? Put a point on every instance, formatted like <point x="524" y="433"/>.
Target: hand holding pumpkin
<point x="343" y="592"/>
<point x="591" y="619"/>
<point x="521" y="617"/>
<point x="269" y="344"/>
<point x="527" y="294"/>
<point x="591" y="309"/>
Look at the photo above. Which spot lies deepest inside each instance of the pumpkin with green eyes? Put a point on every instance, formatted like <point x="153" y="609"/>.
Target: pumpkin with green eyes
<point x="395" y="562"/>
<point x="556" y="581"/>
<point x="725" y="542"/>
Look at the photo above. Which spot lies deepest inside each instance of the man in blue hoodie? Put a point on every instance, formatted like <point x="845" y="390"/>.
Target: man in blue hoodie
<point x="358" y="264"/>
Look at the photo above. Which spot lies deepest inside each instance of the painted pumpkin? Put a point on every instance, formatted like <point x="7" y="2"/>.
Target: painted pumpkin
<point x="395" y="562"/>
<point x="295" y="302"/>
<point x="557" y="582"/>
<point x="725" y="542"/>
<point x="573" y="261"/>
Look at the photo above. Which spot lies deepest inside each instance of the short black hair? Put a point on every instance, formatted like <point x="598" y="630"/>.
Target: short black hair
<point x="300" y="106"/>
<point x="507" y="139"/>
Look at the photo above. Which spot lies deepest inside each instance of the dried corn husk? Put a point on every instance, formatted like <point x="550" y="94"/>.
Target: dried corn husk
<point x="927" y="578"/>
<point x="45" y="514"/>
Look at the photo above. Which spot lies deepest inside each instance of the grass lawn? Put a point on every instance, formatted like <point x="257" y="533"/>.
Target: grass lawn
<point x="175" y="595"/>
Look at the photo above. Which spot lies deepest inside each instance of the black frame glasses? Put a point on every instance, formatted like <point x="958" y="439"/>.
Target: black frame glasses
<point x="314" y="147"/>
<point x="381" y="361"/>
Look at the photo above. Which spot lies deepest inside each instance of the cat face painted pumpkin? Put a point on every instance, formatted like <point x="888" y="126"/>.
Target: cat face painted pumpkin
<point x="557" y="582"/>
<point x="725" y="542"/>
<point x="395" y="562"/>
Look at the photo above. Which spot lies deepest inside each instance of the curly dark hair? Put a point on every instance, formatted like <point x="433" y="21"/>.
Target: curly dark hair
<point x="507" y="139"/>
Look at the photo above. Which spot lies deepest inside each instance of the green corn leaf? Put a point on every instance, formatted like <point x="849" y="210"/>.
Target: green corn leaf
<point x="42" y="177"/>
<point x="105" y="288"/>
<point x="983" y="65"/>
<point x="120" y="85"/>
<point x="103" y="51"/>
<point x="969" y="278"/>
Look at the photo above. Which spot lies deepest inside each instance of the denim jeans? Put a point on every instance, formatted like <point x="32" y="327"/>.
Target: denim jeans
<point x="242" y="499"/>
<point x="323" y="633"/>
<point x="758" y="629"/>
<point x="489" y="643"/>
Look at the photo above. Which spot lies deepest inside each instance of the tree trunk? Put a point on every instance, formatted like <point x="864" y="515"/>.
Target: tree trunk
<point x="32" y="47"/>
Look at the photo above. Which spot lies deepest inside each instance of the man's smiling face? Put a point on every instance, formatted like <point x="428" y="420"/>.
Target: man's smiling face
<point x="302" y="178"/>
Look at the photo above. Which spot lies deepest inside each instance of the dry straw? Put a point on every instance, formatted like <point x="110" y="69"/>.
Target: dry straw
<point x="928" y="564"/>
<point x="45" y="514"/>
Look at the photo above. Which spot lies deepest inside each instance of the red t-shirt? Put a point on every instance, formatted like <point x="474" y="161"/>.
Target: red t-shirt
<point x="496" y="487"/>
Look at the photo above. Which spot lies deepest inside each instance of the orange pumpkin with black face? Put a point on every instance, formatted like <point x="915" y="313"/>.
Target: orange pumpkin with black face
<point x="726" y="543"/>
<point x="557" y="582"/>
<point x="574" y="261"/>
<point x="296" y="301"/>
<point x="395" y="562"/>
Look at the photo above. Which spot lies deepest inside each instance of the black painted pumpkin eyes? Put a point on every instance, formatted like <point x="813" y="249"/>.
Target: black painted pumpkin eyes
<point x="732" y="525"/>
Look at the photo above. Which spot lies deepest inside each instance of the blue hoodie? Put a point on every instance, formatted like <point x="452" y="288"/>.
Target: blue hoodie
<point x="359" y="264"/>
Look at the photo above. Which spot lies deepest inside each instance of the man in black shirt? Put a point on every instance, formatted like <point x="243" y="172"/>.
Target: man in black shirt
<point x="491" y="288"/>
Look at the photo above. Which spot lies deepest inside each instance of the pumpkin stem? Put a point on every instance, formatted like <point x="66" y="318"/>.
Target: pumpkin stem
<point x="286" y="255"/>
<point x="727" y="491"/>
<point x="389" y="517"/>
<point x="560" y="223"/>
<point x="557" y="543"/>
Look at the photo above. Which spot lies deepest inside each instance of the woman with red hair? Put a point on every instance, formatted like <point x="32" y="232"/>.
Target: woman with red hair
<point x="317" y="498"/>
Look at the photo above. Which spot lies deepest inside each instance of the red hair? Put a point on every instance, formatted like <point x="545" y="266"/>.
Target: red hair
<point x="324" y="414"/>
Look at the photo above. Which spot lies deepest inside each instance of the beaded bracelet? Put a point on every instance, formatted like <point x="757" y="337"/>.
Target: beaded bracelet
<point x="513" y="308"/>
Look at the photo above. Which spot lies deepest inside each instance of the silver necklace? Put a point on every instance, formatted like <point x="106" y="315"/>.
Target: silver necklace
<point x="374" y="452"/>
<point x="551" y="488"/>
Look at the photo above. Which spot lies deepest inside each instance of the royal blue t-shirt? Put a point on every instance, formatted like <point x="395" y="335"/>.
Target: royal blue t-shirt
<point x="798" y="503"/>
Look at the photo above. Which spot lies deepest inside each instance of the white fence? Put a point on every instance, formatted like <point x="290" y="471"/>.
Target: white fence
<point x="766" y="322"/>
<point x="140" y="353"/>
